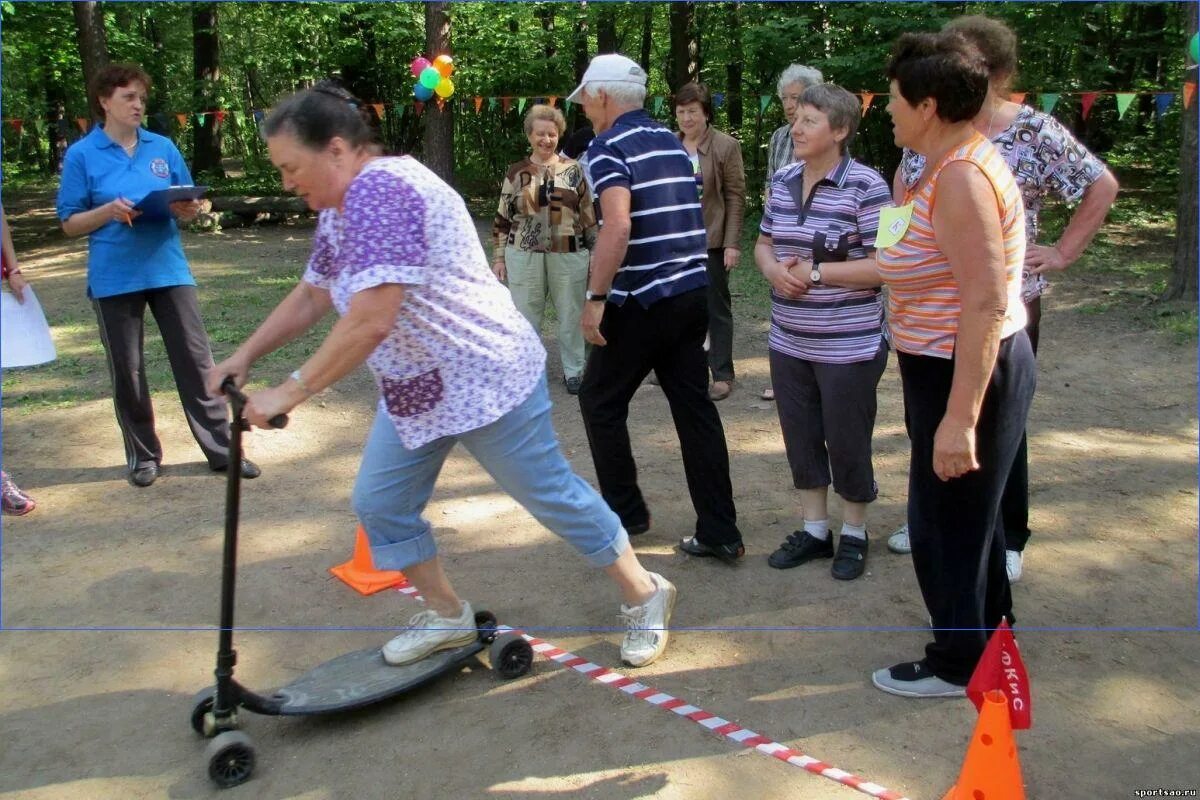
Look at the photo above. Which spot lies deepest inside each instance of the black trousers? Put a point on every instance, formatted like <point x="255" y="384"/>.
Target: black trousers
<point x="958" y="558"/>
<point x="668" y="338"/>
<point x="720" y="318"/>
<point x="1014" y="503"/>
<point x="123" y="332"/>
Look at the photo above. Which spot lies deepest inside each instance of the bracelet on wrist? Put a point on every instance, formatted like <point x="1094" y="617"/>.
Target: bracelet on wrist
<point x="300" y="382"/>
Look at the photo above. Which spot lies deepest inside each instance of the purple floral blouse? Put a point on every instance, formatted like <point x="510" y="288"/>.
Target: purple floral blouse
<point x="461" y="355"/>
<point x="1046" y="160"/>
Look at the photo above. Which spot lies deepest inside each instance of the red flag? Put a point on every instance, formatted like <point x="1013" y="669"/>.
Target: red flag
<point x="1086" y="102"/>
<point x="1017" y="97"/>
<point x="17" y="124"/>
<point x="552" y="101"/>
<point x="418" y="106"/>
<point x="1000" y="667"/>
<point x="220" y="116"/>
<point x="506" y="103"/>
<point x="181" y="119"/>
<point x="378" y="110"/>
<point x="867" y="97"/>
<point x="478" y="103"/>
<point x="82" y="123"/>
<point x="1189" y="90"/>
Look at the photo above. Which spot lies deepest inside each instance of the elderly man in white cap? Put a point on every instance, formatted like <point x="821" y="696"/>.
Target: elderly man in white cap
<point x="647" y="307"/>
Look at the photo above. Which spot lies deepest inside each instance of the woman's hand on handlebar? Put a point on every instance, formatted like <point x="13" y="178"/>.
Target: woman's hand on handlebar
<point x="232" y="367"/>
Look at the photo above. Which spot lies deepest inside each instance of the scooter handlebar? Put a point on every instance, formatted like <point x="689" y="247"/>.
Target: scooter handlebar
<point x="230" y="389"/>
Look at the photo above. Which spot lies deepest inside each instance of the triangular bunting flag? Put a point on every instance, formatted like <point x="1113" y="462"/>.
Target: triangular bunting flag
<point x="659" y="101"/>
<point x="718" y="99"/>
<point x="1049" y="100"/>
<point x="763" y="102"/>
<point x="62" y="127"/>
<point x="552" y="101"/>
<point x="521" y="105"/>
<point x="492" y="104"/>
<point x="418" y="107"/>
<point x="1017" y="97"/>
<point x="200" y="117"/>
<point x="17" y="124"/>
<point x="478" y="103"/>
<point x="181" y="119"/>
<point x="161" y="119"/>
<point x="505" y="104"/>
<point x="1124" y="99"/>
<point x="82" y="123"/>
<point x="258" y="115"/>
<point x="1161" y="101"/>
<point x="1000" y="668"/>
<point x="441" y="104"/>
<point x="378" y="110"/>
<point x="1189" y="91"/>
<point x="867" y="97"/>
<point x="220" y="116"/>
<point x="1086" y="102"/>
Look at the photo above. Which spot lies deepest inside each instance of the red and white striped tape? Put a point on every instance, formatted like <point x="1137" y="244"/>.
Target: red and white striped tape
<point x="722" y="727"/>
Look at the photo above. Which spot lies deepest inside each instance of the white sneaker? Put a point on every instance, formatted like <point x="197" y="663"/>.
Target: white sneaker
<point x="1013" y="565"/>
<point x="428" y="632"/>
<point x="646" y="637"/>
<point x="898" y="541"/>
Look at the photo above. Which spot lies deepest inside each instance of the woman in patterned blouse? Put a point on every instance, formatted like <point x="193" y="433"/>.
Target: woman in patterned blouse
<point x="1047" y="161"/>
<point x="544" y="229"/>
<point x="397" y="256"/>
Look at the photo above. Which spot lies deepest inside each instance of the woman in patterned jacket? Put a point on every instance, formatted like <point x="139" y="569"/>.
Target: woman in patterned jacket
<point x="397" y="256"/>
<point x="544" y="230"/>
<point x="1047" y="161"/>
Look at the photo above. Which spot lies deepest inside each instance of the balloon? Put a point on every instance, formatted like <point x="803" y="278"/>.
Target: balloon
<point x="444" y="65"/>
<point x="430" y="77"/>
<point x="422" y="92"/>
<point x="1194" y="47"/>
<point x="419" y="65"/>
<point x="445" y="87"/>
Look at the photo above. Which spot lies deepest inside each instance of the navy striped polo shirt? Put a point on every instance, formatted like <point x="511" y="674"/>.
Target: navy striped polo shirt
<point x="667" y="253"/>
<point x="828" y="324"/>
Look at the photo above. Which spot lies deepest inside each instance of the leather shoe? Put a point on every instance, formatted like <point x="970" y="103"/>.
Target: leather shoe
<point x="800" y="547"/>
<point x="250" y="470"/>
<point x="728" y="553"/>
<point x="720" y="390"/>
<point x="638" y="528"/>
<point x="144" y="476"/>
<point x="851" y="559"/>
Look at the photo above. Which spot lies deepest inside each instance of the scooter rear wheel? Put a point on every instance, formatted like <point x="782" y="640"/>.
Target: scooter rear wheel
<point x="202" y="704"/>
<point x="511" y="656"/>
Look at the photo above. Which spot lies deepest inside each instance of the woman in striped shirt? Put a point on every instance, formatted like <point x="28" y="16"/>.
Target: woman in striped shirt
<point x="957" y="323"/>
<point x="816" y="247"/>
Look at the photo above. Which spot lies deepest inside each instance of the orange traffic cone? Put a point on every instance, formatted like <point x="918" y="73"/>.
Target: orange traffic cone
<point x="360" y="573"/>
<point x="991" y="768"/>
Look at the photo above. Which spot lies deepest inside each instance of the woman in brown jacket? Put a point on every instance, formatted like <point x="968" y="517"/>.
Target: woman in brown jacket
<point x="721" y="182"/>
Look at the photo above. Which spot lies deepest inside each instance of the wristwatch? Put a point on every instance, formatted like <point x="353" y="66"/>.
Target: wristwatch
<point x="589" y="295"/>
<point x="815" y="275"/>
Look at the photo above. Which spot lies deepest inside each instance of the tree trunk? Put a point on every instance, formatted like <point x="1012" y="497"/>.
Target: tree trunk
<point x="647" y="30"/>
<point x="682" y="63"/>
<point x="733" y="71"/>
<point x="92" y="40"/>
<point x="1182" y="283"/>
<point x="581" y="42"/>
<point x="206" y="71"/>
<point x="606" y="29"/>
<point x="546" y="15"/>
<point x="439" y="122"/>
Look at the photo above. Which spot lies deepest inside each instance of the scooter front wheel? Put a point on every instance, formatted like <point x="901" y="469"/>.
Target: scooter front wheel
<point x="230" y="759"/>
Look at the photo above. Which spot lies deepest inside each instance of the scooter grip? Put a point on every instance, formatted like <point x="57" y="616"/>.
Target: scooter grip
<point x="230" y="389"/>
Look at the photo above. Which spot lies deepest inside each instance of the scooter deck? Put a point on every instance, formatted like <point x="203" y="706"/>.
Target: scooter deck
<point x="362" y="678"/>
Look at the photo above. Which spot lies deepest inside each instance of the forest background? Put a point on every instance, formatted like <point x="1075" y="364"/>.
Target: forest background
<point x="1117" y="74"/>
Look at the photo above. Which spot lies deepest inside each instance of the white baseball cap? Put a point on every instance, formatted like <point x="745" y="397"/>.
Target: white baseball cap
<point x="609" y="67"/>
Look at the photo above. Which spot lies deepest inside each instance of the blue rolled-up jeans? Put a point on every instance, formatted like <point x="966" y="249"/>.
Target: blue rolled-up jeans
<point x="520" y="451"/>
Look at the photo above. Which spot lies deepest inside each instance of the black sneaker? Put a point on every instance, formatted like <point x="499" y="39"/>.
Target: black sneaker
<point x="728" y="553"/>
<point x="800" y="547"/>
<point x="573" y="384"/>
<point x="851" y="559"/>
<point x="915" y="679"/>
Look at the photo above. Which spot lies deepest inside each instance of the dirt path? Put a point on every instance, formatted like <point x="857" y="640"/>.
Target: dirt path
<point x="103" y="713"/>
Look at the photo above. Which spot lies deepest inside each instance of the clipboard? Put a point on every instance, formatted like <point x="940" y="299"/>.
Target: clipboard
<point x="157" y="205"/>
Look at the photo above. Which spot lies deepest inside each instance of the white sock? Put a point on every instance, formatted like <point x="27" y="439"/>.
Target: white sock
<point x="817" y="528"/>
<point x="854" y="531"/>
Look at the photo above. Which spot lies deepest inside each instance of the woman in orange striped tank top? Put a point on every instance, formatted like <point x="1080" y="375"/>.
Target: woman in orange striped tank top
<point x="957" y="324"/>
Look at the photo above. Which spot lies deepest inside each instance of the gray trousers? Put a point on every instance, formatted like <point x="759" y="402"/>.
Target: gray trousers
<point x="720" y="318"/>
<point x="123" y="332"/>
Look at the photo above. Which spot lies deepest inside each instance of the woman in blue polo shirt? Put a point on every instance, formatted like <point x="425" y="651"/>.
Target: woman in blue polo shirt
<point x="817" y="248"/>
<point x="135" y="262"/>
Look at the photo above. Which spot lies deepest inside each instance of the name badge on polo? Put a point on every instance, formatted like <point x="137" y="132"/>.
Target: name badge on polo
<point x="159" y="168"/>
<point x="893" y="224"/>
